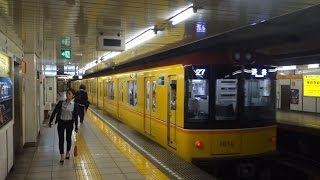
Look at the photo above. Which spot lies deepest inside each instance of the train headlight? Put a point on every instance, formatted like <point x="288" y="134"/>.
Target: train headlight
<point x="198" y="144"/>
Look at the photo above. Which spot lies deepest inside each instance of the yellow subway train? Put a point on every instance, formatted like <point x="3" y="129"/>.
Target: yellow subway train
<point x="202" y="106"/>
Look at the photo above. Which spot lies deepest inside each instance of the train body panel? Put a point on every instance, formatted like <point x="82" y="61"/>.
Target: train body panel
<point x="156" y="102"/>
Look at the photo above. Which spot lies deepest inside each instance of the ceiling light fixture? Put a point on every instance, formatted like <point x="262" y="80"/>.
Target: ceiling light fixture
<point x="311" y="66"/>
<point x="109" y="55"/>
<point x="145" y="35"/>
<point x="183" y="14"/>
<point x="286" y="68"/>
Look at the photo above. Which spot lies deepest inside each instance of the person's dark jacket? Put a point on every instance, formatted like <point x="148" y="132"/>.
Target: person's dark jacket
<point x="81" y="97"/>
<point x="57" y="112"/>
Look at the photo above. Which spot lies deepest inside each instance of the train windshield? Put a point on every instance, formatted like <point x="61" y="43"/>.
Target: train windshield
<point x="229" y="96"/>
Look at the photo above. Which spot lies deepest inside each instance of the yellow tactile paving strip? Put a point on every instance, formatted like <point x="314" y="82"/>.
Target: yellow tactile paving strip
<point x="144" y="166"/>
<point x="85" y="166"/>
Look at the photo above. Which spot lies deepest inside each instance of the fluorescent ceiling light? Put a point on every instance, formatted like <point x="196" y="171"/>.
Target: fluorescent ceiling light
<point x="182" y="15"/>
<point x="142" y="37"/>
<point x="310" y="66"/>
<point x="284" y="68"/>
<point x="109" y="55"/>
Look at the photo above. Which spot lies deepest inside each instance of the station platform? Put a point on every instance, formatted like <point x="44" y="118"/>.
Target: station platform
<point x="298" y="119"/>
<point x="107" y="149"/>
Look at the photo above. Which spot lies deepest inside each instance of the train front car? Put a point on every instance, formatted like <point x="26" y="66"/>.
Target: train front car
<point x="229" y="116"/>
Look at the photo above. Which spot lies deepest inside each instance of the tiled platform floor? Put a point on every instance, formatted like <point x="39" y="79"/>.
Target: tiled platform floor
<point x="98" y="158"/>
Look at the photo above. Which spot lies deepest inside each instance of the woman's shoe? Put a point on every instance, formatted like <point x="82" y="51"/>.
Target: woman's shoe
<point x="61" y="158"/>
<point x="68" y="156"/>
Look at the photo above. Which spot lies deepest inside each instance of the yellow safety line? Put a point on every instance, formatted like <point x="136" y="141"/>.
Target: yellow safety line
<point x="84" y="164"/>
<point x="144" y="166"/>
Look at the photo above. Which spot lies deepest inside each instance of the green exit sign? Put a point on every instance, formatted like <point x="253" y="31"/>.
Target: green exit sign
<point x="65" y="54"/>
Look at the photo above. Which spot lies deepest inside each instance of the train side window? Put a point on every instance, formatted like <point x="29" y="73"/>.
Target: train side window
<point x="132" y="93"/>
<point x="111" y="90"/>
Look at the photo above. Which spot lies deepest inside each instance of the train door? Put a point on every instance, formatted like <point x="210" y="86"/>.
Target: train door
<point x="120" y="96"/>
<point x="100" y="96"/>
<point x="96" y="85"/>
<point x="104" y="94"/>
<point x="147" y="106"/>
<point x="172" y="108"/>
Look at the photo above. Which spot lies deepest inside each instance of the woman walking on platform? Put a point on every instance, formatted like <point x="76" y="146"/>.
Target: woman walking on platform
<point x="67" y="114"/>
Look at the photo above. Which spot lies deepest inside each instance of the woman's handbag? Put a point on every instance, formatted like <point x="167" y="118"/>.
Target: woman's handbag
<point x="75" y="149"/>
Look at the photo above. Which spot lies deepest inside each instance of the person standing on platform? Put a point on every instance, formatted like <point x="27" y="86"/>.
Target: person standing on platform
<point x="81" y="99"/>
<point x="66" y="113"/>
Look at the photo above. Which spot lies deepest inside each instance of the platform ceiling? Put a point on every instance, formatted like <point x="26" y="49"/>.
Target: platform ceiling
<point x="85" y="20"/>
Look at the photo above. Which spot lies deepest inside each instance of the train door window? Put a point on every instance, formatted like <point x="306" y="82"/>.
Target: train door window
<point x="148" y="95"/>
<point x="154" y="94"/>
<point x="197" y="94"/>
<point x="132" y="93"/>
<point x="173" y="94"/>
<point x="111" y="90"/>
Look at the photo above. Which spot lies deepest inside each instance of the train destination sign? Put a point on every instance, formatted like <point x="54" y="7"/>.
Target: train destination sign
<point x="311" y="85"/>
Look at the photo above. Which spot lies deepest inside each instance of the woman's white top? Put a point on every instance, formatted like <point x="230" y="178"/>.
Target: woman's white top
<point x="67" y="110"/>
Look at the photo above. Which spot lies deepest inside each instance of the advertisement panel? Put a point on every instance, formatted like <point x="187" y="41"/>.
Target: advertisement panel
<point x="311" y="85"/>
<point x="4" y="66"/>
